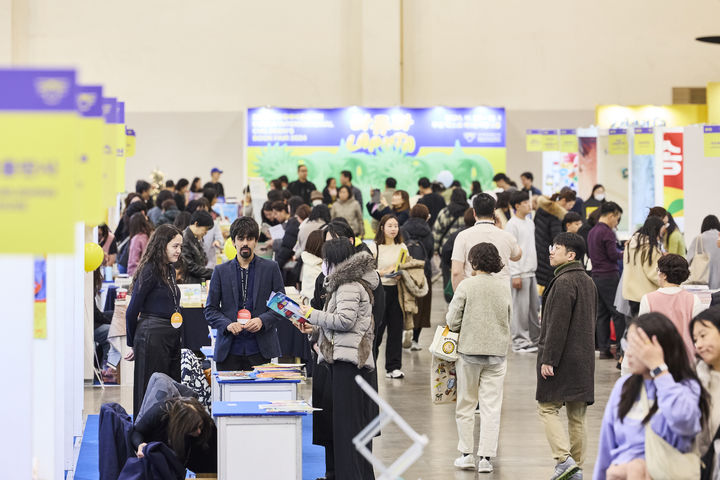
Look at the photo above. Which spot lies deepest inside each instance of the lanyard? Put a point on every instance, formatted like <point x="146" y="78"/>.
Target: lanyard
<point x="173" y="288"/>
<point x="244" y="275"/>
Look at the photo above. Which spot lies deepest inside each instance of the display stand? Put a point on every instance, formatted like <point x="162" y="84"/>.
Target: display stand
<point x="242" y="390"/>
<point x="253" y="443"/>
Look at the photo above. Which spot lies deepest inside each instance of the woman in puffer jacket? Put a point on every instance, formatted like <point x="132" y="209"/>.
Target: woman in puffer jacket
<point x="344" y="332"/>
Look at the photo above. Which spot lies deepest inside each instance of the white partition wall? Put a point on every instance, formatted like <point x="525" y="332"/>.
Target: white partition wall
<point x="701" y="182"/>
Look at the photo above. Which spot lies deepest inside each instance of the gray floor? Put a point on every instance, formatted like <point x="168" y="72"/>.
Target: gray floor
<point x="523" y="451"/>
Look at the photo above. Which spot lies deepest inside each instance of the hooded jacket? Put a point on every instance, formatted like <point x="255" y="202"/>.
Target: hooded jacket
<point x="346" y="329"/>
<point x="548" y="223"/>
<point x="419" y="230"/>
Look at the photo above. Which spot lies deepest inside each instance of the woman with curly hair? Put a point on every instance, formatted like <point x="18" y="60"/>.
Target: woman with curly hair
<point x="480" y="312"/>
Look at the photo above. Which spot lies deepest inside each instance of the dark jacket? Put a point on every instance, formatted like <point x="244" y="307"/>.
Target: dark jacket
<point x="168" y="216"/>
<point x="567" y="337"/>
<point x="285" y="251"/>
<point x="548" y="223"/>
<point x="419" y="230"/>
<point x="159" y="462"/>
<point x="302" y="189"/>
<point x="434" y="202"/>
<point x="113" y="440"/>
<point x="194" y="259"/>
<point x="402" y="216"/>
<point x="223" y="303"/>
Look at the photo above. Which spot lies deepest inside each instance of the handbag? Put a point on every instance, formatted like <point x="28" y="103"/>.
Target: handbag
<point x="663" y="461"/>
<point x="444" y="344"/>
<point x="700" y="265"/>
<point x="443" y="381"/>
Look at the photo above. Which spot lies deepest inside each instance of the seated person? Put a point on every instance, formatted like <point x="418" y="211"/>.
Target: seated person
<point x="184" y="425"/>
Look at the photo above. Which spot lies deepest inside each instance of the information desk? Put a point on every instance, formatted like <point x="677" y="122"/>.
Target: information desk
<point x="253" y="443"/>
<point x="240" y="390"/>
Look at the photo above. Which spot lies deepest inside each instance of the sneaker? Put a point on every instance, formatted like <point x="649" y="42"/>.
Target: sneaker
<point x="466" y="462"/>
<point x="577" y="475"/>
<point x="415" y="347"/>
<point x="407" y="339"/>
<point x="565" y="470"/>
<point x="528" y="349"/>
<point x="395" y="374"/>
<point x="484" y="466"/>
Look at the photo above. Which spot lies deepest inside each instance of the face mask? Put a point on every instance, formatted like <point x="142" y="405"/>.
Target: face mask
<point x="315" y="203"/>
<point x="599" y="197"/>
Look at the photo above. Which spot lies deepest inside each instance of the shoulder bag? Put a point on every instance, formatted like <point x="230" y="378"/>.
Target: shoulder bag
<point x="700" y="265"/>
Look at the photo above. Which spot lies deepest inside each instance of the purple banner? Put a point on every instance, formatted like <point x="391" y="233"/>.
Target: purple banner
<point x="533" y="132"/>
<point x="370" y="128"/>
<point x="109" y="109"/>
<point x="549" y="132"/>
<point x="570" y="131"/>
<point x="88" y="100"/>
<point x="643" y="130"/>
<point x="618" y="131"/>
<point x="120" y="114"/>
<point x="711" y="129"/>
<point x="40" y="89"/>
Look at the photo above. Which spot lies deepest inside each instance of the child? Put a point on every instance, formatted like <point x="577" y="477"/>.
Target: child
<point x="480" y="311"/>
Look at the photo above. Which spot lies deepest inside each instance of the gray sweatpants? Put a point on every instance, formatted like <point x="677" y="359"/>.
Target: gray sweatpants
<point x="524" y="326"/>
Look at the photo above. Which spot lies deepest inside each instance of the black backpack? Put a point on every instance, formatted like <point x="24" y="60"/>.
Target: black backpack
<point x="124" y="253"/>
<point x="416" y="249"/>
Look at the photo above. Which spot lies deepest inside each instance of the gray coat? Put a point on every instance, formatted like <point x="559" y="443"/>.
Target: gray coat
<point x="345" y="328"/>
<point x="567" y="337"/>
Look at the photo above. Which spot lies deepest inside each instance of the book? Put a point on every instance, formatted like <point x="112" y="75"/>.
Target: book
<point x="286" y="307"/>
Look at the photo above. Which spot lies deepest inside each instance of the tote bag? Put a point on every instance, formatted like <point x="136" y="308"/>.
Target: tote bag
<point x="665" y="462"/>
<point x="444" y="344"/>
<point x="700" y="265"/>
<point x="443" y="381"/>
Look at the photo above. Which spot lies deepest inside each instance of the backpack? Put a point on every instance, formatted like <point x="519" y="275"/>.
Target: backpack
<point x="416" y="249"/>
<point x="124" y="253"/>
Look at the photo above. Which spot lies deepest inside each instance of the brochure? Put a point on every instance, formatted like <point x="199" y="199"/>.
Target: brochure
<point x="286" y="307"/>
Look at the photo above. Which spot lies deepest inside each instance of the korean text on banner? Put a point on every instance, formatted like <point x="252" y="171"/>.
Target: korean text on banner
<point x="90" y="155"/>
<point x="568" y="141"/>
<point x="38" y="123"/>
<point x="550" y="141"/>
<point x="711" y="140"/>
<point x="533" y="141"/>
<point x="618" y="142"/>
<point x="109" y="106"/>
<point x="644" y="141"/>
<point x="673" y="173"/>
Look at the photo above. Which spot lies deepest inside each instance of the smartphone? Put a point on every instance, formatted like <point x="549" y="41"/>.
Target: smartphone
<point x="375" y="195"/>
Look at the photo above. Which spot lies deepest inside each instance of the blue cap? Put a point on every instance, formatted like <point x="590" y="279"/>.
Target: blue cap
<point x="215" y="169"/>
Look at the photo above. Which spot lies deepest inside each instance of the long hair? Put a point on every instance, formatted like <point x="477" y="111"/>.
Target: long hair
<point x="710" y="222"/>
<point x="140" y="224"/>
<point x="405" y="205"/>
<point x="657" y="324"/>
<point x="186" y="415"/>
<point x="155" y="256"/>
<point x="380" y="235"/>
<point x="647" y="240"/>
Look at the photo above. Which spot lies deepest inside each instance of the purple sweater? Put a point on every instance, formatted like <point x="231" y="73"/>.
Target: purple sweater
<point x="677" y="421"/>
<point x="603" y="251"/>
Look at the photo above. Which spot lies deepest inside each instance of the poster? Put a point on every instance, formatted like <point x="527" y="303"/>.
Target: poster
<point x="587" y="165"/>
<point x="618" y="142"/>
<point x="38" y="156"/>
<point x="673" y="183"/>
<point x="568" y="141"/>
<point x="642" y="192"/>
<point x="533" y="140"/>
<point x="711" y="140"/>
<point x="376" y="143"/>
<point x="619" y="116"/>
<point x="560" y="169"/>
<point x="90" y="155"/>
<point x="550" y="141"/>
<point x="644" y="141"/>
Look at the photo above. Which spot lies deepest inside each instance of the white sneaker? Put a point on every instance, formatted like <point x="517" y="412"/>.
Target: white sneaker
<point x="466" y="462"/>
<point x="415" y="347"/>
<point x="407" y="339"/>
<point x="395" y="374"/>
<point x="484" y="466"/>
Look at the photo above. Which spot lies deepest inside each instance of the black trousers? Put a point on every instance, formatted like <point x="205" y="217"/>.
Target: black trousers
<point x="346" y="411"/>
<point x="235" y="363"/>
<point x="393" y="322"/>
<point x="157" y="349"/>
<point x="634" y="308"/>
<point x="606" y="312"/>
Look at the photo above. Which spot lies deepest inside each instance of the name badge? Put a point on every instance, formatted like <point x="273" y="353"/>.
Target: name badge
<point x="176" y="320"/>
<point x="243" y="316"/>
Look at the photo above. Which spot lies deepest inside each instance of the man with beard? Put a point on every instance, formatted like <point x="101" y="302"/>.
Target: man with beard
<point x="236" y="303"/>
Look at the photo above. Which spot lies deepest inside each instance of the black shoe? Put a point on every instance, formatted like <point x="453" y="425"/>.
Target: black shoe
<point x="606" y="355"/>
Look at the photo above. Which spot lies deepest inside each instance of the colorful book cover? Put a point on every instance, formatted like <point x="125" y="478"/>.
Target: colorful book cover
<point x="285" y="307"/>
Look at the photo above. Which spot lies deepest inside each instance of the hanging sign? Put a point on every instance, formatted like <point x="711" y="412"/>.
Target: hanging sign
<point x="109" y="179"/>
<point x="618" y="142"/>
<point x="129" y="142"/>
<point x="673" y="171"/>
<point x="90" y="155"/>
<point x="38" y="124"/>
<point x="568" y="141"/>
<point x="711" y="140"/>
<point x="550" y="141"/>
<point x="120" y="143"/>
<point x="533" y="140"/>
<point x="644" y="141"/>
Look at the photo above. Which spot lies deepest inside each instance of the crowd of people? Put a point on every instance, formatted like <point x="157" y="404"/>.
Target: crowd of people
<point x="536" y="274"/>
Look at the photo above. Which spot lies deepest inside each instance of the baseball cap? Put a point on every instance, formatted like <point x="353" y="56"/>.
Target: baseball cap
<point x="215" y="169"/>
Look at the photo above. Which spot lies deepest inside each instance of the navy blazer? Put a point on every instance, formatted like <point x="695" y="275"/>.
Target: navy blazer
<point x="223" y="303"/>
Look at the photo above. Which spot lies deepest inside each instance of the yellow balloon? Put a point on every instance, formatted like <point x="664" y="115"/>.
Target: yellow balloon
<point x="93" y="256"/>
<point x="230" y="251"/>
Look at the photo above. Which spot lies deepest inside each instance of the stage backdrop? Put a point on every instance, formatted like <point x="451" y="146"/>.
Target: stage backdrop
<point x="375" y="143"/>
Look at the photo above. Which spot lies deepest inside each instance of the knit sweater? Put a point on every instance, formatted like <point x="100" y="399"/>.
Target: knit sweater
<point x="480" y="311"/>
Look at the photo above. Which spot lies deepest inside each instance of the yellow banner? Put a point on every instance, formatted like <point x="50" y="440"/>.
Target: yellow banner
<point x="619" y="116"/>
<point x="711" y="140"/>
<point x="644" y="141"/>
<point x="120" y="143"/>
<point x="618" y="142"/>
<point x="533" y="141"/>
<point x="551" y="142"/>
<point x="568" y="141"/>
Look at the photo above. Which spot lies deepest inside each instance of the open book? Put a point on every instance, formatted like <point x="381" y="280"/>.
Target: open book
<point x="286" y="307"/>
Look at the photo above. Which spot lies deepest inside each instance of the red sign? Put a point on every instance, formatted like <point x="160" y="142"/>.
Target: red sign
<point x="672" y="157"/>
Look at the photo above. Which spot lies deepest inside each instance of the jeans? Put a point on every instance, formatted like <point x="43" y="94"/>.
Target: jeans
<point x="100" y="335"/>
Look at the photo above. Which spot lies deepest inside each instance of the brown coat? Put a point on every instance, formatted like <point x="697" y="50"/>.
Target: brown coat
<point x="567" y="337"/>
<point x="412" y="284"/>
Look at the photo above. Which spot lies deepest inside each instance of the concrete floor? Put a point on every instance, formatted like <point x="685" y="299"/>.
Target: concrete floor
<point x="523" y="451"/>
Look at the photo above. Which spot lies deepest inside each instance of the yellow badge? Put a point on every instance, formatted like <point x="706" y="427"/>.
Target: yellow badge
<point x="176" y="320"/>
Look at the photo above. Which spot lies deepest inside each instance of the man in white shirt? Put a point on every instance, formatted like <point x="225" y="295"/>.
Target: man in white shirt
<point x="524" y="324"/>
<point x="484" y="230"/>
